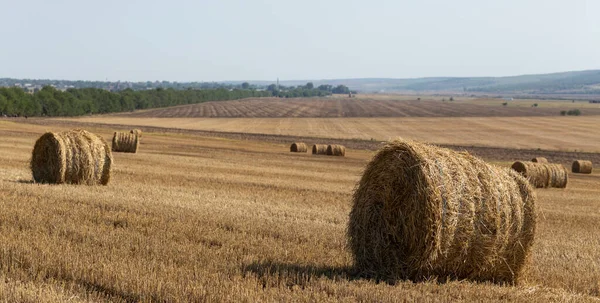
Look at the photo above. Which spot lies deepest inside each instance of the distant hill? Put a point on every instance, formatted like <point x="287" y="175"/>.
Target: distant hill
<point x="566" y="83"/>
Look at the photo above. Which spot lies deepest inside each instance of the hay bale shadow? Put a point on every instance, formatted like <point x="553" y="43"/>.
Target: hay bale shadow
<point x="22" y="181"/>
<point x="276" y="274"/>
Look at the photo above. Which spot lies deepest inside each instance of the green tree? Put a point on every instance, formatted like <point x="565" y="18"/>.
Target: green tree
<point x="341" y="89"/>
<point x="245" y="85"/>
<point x="325" y="87"/>
<point x="309" y="85"/>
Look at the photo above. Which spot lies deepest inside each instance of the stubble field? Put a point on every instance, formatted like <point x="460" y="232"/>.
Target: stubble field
<point x="192" y="218"/>
<point x="548" y="133"/>
<point x="465" y="121"/>
<point x="365" y="106"/>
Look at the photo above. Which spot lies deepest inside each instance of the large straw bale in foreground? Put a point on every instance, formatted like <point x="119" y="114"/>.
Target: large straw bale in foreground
<point x="539" y="160"/>
<point x="137" y="132"/>
<point x="298" y="147"/>
<point x="582" y="167"/>
<point x="124" y="142"/>
<point x="74" y="157"/>
<point x="543" y="175"/>
<point x="336" y="150"/>
<point x="319" y="149"/>
<point x="421" y="211"/>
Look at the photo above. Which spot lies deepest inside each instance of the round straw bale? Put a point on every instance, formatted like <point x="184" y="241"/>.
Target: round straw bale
<point x="336" y="150"/>
<point x="539" y="160"/>
<point x="125" y="142"/>
<point x="319" y="149"/>
<point x="298" y="147"/>
<point x="74" y="157"/>
<point x="543" y="175"/>
<point x="582" y="167"/>
<point x="137" y="132"/>
<point x="421" y="212"/>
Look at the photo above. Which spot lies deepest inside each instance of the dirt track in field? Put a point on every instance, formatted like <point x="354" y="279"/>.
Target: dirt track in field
<point x="346" y="107"/>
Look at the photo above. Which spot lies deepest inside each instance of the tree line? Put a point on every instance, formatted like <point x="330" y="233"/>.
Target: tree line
<point x="51" y="102"/>
<point x="307" y="90"/>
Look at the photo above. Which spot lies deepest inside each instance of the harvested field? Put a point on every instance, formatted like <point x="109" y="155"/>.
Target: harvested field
<point x="217" y="219"/>
<point x="547" y="133"/>
<point x="487" y="152"/>
<point x="355" y="107"/>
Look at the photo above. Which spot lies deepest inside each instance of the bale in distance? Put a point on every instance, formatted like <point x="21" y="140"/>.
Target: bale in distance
<point x="137" y="132"/>
<point x="298" y="147"/>
<point x="336" y="150"/>
<point x="72" y="157"/>
<point x="319" y="149"/>
<point x="125" y="142"/>
<point x="543" y="175"/>
<point x="539" y="160"/>
<point x="422" y="212"/>
<point x="582" y="167"/>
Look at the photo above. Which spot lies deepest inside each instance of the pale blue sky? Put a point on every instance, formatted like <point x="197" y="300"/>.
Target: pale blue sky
<point x="293" y="40"/>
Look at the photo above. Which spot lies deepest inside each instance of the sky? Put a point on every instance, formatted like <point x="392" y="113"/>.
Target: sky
<point x="295" y="40"/>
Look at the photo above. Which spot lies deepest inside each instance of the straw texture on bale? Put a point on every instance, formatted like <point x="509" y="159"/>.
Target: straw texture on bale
<point x="543" y="175"/>
<point x="539" y="160"/>
<point x="125" y="142"/>
<point x="137" y="132"/>
<point x="422" y="212"/>
<point x="73" y="157"/>
<point x="298" y="147"/>
<point x="582" y="167"/>
<point x="319" y="149"/>
<point x="336" y="150"/>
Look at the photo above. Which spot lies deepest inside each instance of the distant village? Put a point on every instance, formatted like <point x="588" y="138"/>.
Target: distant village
<point x="34" y="85"/>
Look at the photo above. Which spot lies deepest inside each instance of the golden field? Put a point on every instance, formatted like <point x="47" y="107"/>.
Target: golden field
<point x="191" y="219"/>
<point x="549" y="133"/>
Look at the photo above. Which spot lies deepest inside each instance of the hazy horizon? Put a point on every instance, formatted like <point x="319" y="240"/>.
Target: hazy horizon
<point x="291" y="80"/>
<point x="219" y="41"/>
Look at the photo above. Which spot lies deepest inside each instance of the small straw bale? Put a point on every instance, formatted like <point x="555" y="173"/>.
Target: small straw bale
<point x="424" y="212"/>
<point x="125" y="142"/>
<point x="72" y="157"/>
<point x="539" y="160"/>
<point x="582" y="167"/>
<point x="137" y="132"/>
<point x="543" y="175"/>
<point x="336" y="150"/>
<point x="298" y="147"/>
<point x="319" y="149"/>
